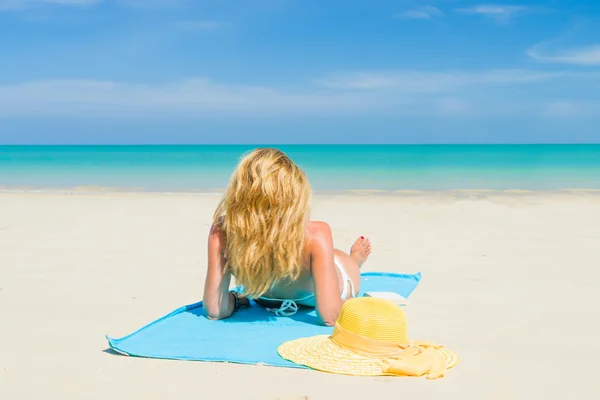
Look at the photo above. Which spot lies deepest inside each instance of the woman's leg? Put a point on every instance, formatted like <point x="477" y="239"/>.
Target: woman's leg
<point x="352" y="262"/>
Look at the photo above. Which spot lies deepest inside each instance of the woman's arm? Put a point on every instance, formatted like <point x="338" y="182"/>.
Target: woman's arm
<point x="327" y="291"/>
<point x="218" y="302"/>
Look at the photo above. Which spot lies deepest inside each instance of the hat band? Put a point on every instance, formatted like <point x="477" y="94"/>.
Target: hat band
<point x="365" y="346"/>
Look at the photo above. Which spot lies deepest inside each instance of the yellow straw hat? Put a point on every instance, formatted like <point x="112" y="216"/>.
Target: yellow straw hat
<point x="370" y="339"/>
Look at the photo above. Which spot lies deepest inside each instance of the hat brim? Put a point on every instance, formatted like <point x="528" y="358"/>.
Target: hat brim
<point x="323" y="354"/>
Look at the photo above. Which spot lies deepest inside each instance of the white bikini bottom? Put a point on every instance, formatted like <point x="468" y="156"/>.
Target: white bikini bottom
<point x="345" y="278"/>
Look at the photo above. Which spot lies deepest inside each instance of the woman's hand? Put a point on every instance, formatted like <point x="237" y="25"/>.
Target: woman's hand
<point x="242" y="301"/>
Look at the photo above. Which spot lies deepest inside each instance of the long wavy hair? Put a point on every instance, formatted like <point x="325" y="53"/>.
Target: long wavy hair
<point x="263" y="215"/>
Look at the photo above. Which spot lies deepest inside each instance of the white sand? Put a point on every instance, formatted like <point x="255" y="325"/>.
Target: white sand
<point x="510" y="282"/>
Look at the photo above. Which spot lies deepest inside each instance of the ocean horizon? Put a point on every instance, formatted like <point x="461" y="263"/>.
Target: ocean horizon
<point x="207" y="168"/>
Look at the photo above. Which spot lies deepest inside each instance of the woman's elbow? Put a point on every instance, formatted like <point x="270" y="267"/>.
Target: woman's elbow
<point x="214" y="311"/>
<point x="328" y="318"/>
<point x="211" y="314"/>
<point x="214" y="314"/>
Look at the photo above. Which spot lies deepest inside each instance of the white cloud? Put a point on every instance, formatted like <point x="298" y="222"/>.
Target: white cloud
<point x="195" y="97"/>
<point x="571" y="109"/>
<point x="452" y="106"/>
<point x="586" y="56"/>
<point x="72" y="2"/>
<point x="425" y="13"/>
<point x="432" y="82"/>
<point x="203" y="98"/>
<point x="498" y="12"/>
<point x="154" y="4"/>
<point x="398" y="94"/>
<point x="10" y="5"/>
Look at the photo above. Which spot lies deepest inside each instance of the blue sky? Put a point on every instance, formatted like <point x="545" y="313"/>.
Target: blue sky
<point x="283" y="71"/>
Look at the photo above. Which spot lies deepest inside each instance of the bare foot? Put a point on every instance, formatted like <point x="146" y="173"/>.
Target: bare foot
<point x="360" y="250"/>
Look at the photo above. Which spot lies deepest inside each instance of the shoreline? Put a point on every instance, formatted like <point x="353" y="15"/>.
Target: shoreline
<point x="93" y="190"/>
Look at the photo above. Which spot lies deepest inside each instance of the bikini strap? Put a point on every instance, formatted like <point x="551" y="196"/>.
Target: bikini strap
<point x="288" y="307"/>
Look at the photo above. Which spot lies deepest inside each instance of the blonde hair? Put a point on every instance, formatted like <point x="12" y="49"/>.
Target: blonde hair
<point x="263" y="215"/>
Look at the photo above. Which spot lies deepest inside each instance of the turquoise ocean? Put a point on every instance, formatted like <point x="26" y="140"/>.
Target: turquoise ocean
<point x="207" y="168"/>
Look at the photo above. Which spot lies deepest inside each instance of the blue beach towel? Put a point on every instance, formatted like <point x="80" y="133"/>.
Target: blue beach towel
<point x="250" y="336"/>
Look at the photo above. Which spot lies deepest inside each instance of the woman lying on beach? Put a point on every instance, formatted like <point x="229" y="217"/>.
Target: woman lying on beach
<point x="262" y="236"/>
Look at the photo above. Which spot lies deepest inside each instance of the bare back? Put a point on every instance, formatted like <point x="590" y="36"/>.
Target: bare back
<point x="319" y="283"/>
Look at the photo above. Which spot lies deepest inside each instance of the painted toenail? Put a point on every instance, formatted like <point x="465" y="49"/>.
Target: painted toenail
<point x="362" y="237"/>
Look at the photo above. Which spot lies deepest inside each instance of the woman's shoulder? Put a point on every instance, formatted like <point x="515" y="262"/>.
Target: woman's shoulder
<point x="318" y="227"/>
<point x="319" y="233"/>
<point x="217" y="236"/>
